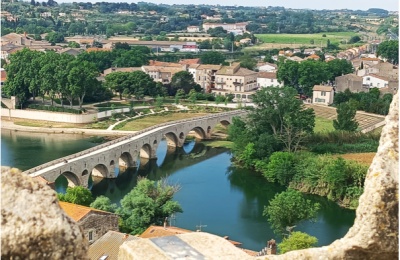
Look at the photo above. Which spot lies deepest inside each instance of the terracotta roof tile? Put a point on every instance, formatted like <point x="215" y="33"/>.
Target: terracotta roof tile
<point x="77" y="212"/>
<point x="377" y="76"/>
<point x="322" y="88"/>
<point x="97" y="49"/>
<point x="249" y="252"/>
<point x="267" y="75"/>
<point x="109" y="244"/>
<point x="189" y="61"/>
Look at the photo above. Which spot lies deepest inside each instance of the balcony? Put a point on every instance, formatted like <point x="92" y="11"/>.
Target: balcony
<point x="238" y="83"/>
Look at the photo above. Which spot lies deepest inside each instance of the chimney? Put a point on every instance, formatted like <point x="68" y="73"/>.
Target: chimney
<point x="24" y="34"/>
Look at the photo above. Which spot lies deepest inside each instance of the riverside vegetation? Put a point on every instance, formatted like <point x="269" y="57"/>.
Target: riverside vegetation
<point x="284" y="148"/>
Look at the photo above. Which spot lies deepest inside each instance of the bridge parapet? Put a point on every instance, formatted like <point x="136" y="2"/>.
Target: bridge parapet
<point x="87" y="151"/>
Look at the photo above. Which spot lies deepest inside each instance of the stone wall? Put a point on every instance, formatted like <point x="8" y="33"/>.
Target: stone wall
<point x="99" y="223"/>
<point x="33" y="226"/>
<point x="375" y="232"/>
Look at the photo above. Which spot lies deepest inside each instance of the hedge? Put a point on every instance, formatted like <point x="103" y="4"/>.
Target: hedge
<point x="55" y="109"/>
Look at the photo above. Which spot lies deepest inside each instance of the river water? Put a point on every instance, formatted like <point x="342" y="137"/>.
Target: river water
<point x="228" y="200"/>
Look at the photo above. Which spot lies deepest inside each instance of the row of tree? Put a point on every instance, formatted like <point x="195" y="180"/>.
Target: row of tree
<point x="37" y="74"/>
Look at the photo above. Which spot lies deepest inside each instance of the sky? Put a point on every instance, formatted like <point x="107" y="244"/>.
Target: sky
<point x="390" y="5"/>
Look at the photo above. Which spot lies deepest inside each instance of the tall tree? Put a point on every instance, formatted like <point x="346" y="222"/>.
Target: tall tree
<point x="338" y="67"/>
<point x="289" y="208"/>
<point x="345" y="118"/>
<point x="77" y="195"/>
<point x="148" y="204"/>
<point x="312" y="73"/>
<point x="248" y="62"/>
<point x="104" y="203"/>
<point x="288" y="73"/>
<point x="389" y="50"/>
<point x="212" y="57"/>
<point x="118" y="81"/>
<point x="140" y="83"/>
<point x="184" y="80"/>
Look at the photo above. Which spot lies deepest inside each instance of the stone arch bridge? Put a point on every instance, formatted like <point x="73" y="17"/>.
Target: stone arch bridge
<point x="102" y="159"/>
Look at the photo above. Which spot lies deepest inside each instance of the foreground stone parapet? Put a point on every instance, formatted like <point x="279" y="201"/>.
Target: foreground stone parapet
<point x="375" y="232"/>
<point x="33" y="226"/>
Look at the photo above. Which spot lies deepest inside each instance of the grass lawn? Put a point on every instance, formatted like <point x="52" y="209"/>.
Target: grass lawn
<point x="219" y="143"/>
<point x="304" y="39"/>
<point x="47" y="124"/>
<point x="323" y="125"/>
<point x="148" y="121"/>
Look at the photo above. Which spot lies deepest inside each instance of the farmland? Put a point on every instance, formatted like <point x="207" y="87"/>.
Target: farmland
<point x="297" y="40"/>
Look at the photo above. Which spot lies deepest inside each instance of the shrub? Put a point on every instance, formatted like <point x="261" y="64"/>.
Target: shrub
<point x="55" y="109"/>
<point x="280" y="167"/>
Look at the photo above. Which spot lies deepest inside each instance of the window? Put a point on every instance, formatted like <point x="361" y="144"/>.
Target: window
<point x="235" y="88"/>
<point x="240" y="81"/>
<point x="370" y="84"/>
<point x="319" y="100"/>
<point x="235" y="80"/>
<point x="368" y="78"/>
<point x="378" y="85"/>
<point x="240" y="88"/>
<point x="323" y="93"/>
<point x="199" y="78"/>
<point x="218" y="80"/>
<point x="272" y="80"/>
<point x="90" y="235"/>
<point x="238" y="96"/>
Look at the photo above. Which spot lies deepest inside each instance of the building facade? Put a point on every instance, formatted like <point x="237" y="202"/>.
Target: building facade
<point x="267" y="79"/>
<point x="323" y="95"/>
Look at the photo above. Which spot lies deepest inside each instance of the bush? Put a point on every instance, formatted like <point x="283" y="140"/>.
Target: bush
<point x="297" y="241"/>
<point x="55" y="109"/>
<point x="280" y="167"/>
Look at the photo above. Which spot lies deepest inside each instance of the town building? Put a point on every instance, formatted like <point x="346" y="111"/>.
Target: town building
<point x="193" y="29"/>
<point x="323" y="95"/>
<point x="3" y="76"/>
<point x="349" y="81"/>
<point x="235" y="80"/>
<point x="314" y="57"/>
<point x="235" y="32"/>
<point x="225" y="26"/>
<point x="45" y="14"/>
<point x="108" y="245"/>
<point x="295" y="58"/>
<point x="267" y="67"/>
<point x="94" y="223"/>
<point x="115" y="69"/>
<point x="267" y="79"/>
<point x="190" y="61"/>
<point x="296" y="51"/>
<point x="309" y="51"/>
<point x="98" y="49"/>
<point x="205" y="76"/>
<point x="71" y="51"/>
<point x="22" y="40"/>
<point x="6" y="49"/>
<point x="245" y="41"/>
<point x="375" y="81"/>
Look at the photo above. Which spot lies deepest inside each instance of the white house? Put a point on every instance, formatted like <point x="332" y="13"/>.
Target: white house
<point x="375" y="81"/>
<point x="266" y="67"/>
<point x="296" y="51"/>
<point x="309" y="51"/>
<point x="323" y="95"/>
<point x="267" y="79"/>
<point x="193" y="29"/>
<point x="45" y="14"/>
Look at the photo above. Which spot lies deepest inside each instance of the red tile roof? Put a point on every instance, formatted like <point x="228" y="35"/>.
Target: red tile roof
<point x="313" y="57"/>
<point x="3" y="75"/>
<point x="267" y="75"/>
<point x="97" y="49"/>
<point x="77" y="212"/>
<point x="189" y="61"/>
<point x="377" y="76"/>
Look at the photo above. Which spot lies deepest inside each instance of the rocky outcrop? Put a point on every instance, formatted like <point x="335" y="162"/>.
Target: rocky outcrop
<point x="375" y="232"/>
<point x="33" y="226"/>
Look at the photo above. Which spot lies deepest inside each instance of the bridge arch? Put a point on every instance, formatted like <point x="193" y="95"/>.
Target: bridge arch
<point x="146" y="151"/>
<point x="112" y="163"/>
<point x="85" y="172"/>
<point x="225" y="123"/>
<point x="126" y="160"/>
<point x="100" y="170"/>
<point x="172" y="139"/>
<point x="72" y="179"/>
<point x="199" y="132"/>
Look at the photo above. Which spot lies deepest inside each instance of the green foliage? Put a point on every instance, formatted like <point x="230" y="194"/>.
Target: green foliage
<point x="55" y="109"/>
<point x="355" y="39"/>
<point x="389" y="50"/>
<point x="219" y="99"/>
<point x="289" y="208"/>
<point x="77" y="195"/>
<point x="54" y="37"/>
<point x="104" y="203"/>
<point x="184" y="80"/>
<point x="247" y="61"/>
<point x="248" y="155"/>
<point x="148" y="204"/>
<point x="159" y="101"/>
<point x="212" y="57"/>
<point x="336" y="177"/>
<point x="280" y="168"/>
<point x="73" y="44"/>
<point x="297" y="241"/>
<point x="345" y="118"/>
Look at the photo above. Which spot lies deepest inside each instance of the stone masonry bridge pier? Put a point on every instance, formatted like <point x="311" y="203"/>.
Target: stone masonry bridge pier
<point x="102" y="159"/>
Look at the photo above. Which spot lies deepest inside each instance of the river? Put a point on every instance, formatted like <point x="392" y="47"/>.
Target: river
<point x="228" y="200"/>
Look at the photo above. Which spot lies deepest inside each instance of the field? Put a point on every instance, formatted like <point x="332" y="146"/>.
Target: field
<point x="297" y="40"/>
<point x="362" y="158"/>
<point x="323" y="125"/>
<point x="142" y="123"/>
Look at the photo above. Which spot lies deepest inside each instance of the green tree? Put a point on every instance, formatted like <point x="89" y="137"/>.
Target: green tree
<point x="159" y="101"/>
<point x="289" y="208"/>
<point x="338" y="67"/>
<point x="212" y="57"/>
<point x="73" y="44"/>
<point x="184" y="80"/>
<point x="280" y="167"/>
<point x="354" y="39"/>
<point x="140" y="83"/>
<point x="118" y="81"/>
<point x="3" y="63"/>
<point x="219" y="99"/>
<point x="336" y="178"/>
<point x="158" y="90"/>
<point x="248" y="62"/>
<point x="288" y="73"/>
<point x="312" y="73"/>
<point x="389" y="50"/>
<point x="345" y="118"/>
<point x="104" y="203"/>
<point x="77" y="195"/>
<point x="297" y="241"/>
<point x="54" y="37"/>
<point x="132" y="58"/>
<point x="148" y="204"/>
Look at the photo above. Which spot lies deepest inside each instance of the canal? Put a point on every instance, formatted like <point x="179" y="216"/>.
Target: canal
<point x="230" y="201"/>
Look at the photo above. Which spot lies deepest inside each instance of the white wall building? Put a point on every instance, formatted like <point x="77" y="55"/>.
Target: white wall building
<point x="267" y="79"/>
<point x="225" y="26"/>
<point x="193" y="29"/>
<point x="323" y="95"/>
<point x="375" y="81"/>
<point x="267" y="67"/>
